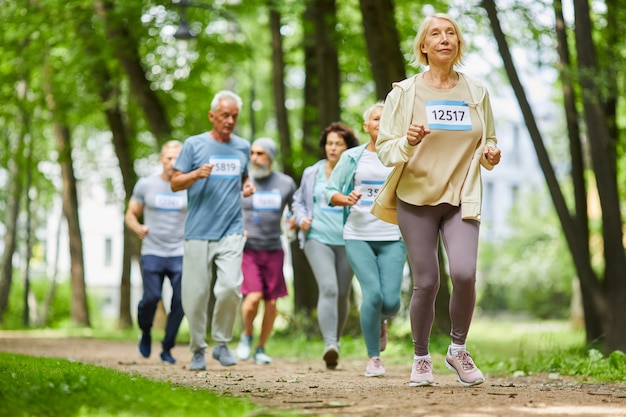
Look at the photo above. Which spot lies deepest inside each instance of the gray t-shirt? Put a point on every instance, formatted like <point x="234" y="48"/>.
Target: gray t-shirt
<point x="263" y="210"/>
<point x="164" y="213"/>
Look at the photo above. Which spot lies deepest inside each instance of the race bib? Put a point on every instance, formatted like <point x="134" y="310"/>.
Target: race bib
<point x="266" y="201"/>
<point x="169" y="202"/>
<point x="369" y="190"/>
<point x="448" y="115"/>
<point x="225" y="166"/>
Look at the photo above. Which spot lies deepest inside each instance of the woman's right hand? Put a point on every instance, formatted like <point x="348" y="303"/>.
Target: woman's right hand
<point x="416" y="133"/>
<point x="305" y="225"/>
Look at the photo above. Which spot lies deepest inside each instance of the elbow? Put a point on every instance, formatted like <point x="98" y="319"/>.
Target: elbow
<point x="175" y="186"/>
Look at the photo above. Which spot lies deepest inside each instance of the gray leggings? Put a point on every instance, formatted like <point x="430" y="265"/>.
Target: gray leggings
<point x="334" y="279"/>
<point x="420" y="227"/>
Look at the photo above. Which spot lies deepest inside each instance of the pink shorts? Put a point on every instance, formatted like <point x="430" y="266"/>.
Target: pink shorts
<point x="263" y="272"/>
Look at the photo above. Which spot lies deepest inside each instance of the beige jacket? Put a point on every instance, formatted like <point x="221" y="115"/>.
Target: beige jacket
<point x="393" y="149"/>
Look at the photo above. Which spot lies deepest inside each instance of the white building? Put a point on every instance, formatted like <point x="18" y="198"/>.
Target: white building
<point x="101" y="216"/>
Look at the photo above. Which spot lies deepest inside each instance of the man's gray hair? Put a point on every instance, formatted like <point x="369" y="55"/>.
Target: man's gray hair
<point x="171" y="144"/>
<point x="226" y="95"/>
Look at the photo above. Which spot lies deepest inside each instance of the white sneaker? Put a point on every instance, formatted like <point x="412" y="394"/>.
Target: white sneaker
<point x="260" y="357"/>
<point x="244" y="347"/>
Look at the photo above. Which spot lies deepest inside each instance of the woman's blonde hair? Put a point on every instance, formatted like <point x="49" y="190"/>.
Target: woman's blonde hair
<point x="420" y="57"/>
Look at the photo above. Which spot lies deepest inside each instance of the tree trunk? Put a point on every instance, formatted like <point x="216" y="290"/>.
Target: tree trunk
<point x="29" y="232"/>
<point x="154" y="112"/>
<point x="69" y="196"/>
<point x="599" y="307"/>
<point x="579" y="249"/>
<point x="304" y="285"/>
<point x="593" y="323"/>
<point x="123" y="151"/>
<point x="321" y="108"/>
<point x="14" y="195"/>
<point x="383" y="44"/>
<point x="45" y="309"/>
<point x="603" y="157"/>
<point x="320" y="20"/>
<point x="311" y="125"/>
<point x="127" y="50"/>
<point x="278" y="65"/>
<point x="80" y="312"/>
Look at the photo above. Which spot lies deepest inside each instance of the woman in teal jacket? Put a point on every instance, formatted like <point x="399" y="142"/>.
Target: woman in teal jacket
<point x="375" y="248"/>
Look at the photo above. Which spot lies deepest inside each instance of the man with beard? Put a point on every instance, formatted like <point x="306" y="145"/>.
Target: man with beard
<point x="263" y="255"/>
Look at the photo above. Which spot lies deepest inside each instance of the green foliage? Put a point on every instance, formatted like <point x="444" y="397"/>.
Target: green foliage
<point x="54" y="387"/>
<point x="58" y="314"/>
<point x="531" y="271"/>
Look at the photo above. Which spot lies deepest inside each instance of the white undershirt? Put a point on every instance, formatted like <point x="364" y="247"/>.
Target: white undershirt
<point x="362" y="224"/>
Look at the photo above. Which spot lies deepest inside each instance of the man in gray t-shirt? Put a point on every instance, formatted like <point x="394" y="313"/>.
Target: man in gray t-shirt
<point x="263" y="255"/>
<point x="161" y="233"/>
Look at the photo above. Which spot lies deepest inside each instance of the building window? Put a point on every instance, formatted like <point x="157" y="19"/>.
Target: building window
<point x="108" y="251"/>
<point x="514" y="195"/>
<point x="515" y="155"/>
<point x="487" y="211"/>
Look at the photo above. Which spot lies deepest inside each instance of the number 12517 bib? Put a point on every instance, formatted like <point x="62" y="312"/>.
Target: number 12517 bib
<point x="448" y="115"/>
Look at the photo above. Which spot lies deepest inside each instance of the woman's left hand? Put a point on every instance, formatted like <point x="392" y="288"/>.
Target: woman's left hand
<point x="492" y="155"/>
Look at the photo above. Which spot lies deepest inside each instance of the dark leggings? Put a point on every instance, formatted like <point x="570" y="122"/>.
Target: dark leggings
<point x="420" y="227"/>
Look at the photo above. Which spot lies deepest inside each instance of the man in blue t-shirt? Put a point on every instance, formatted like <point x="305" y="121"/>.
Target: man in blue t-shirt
<point x="213" y="168"/>
<point x="161" y="233"/>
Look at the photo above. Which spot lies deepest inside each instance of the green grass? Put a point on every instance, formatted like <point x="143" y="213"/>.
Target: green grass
<point x="499" y="346"/>
<point x="46" y="387"/>
<point x="41" y="387"/>
<point x="527" y="348"/>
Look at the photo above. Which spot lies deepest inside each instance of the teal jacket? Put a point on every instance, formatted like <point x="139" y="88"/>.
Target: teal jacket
<point x="342" y="178"/>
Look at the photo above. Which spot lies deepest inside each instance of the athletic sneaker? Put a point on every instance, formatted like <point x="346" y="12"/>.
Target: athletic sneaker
<point x="197" y="361"/>
<point x="222" y="354"/>
<point x="463" y="364"/>
<point x="383" y="335"/>
<point x="261" y="357"/>
<point x="244" y="347"/>
<point x="167" y="358"/>
<point x="331" y="356"/>
<point x="422" y="373"/>
<point x="374" y="367"/>
<point x="145" y="344"/>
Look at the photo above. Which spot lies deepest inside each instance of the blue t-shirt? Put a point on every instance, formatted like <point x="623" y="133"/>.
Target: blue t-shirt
<point x="214" y="203"/>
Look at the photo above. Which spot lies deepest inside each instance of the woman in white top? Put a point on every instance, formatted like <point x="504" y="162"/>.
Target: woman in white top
<point x="375" y="248"/>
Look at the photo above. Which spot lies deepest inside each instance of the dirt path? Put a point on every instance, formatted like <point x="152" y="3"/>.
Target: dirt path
<point x="309" y="388"/>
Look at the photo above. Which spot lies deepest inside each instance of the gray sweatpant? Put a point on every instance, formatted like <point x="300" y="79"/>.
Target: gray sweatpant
<point x="334" y="279"/>
<point x="200" y="255"/>
<point x="420" y="227"/>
